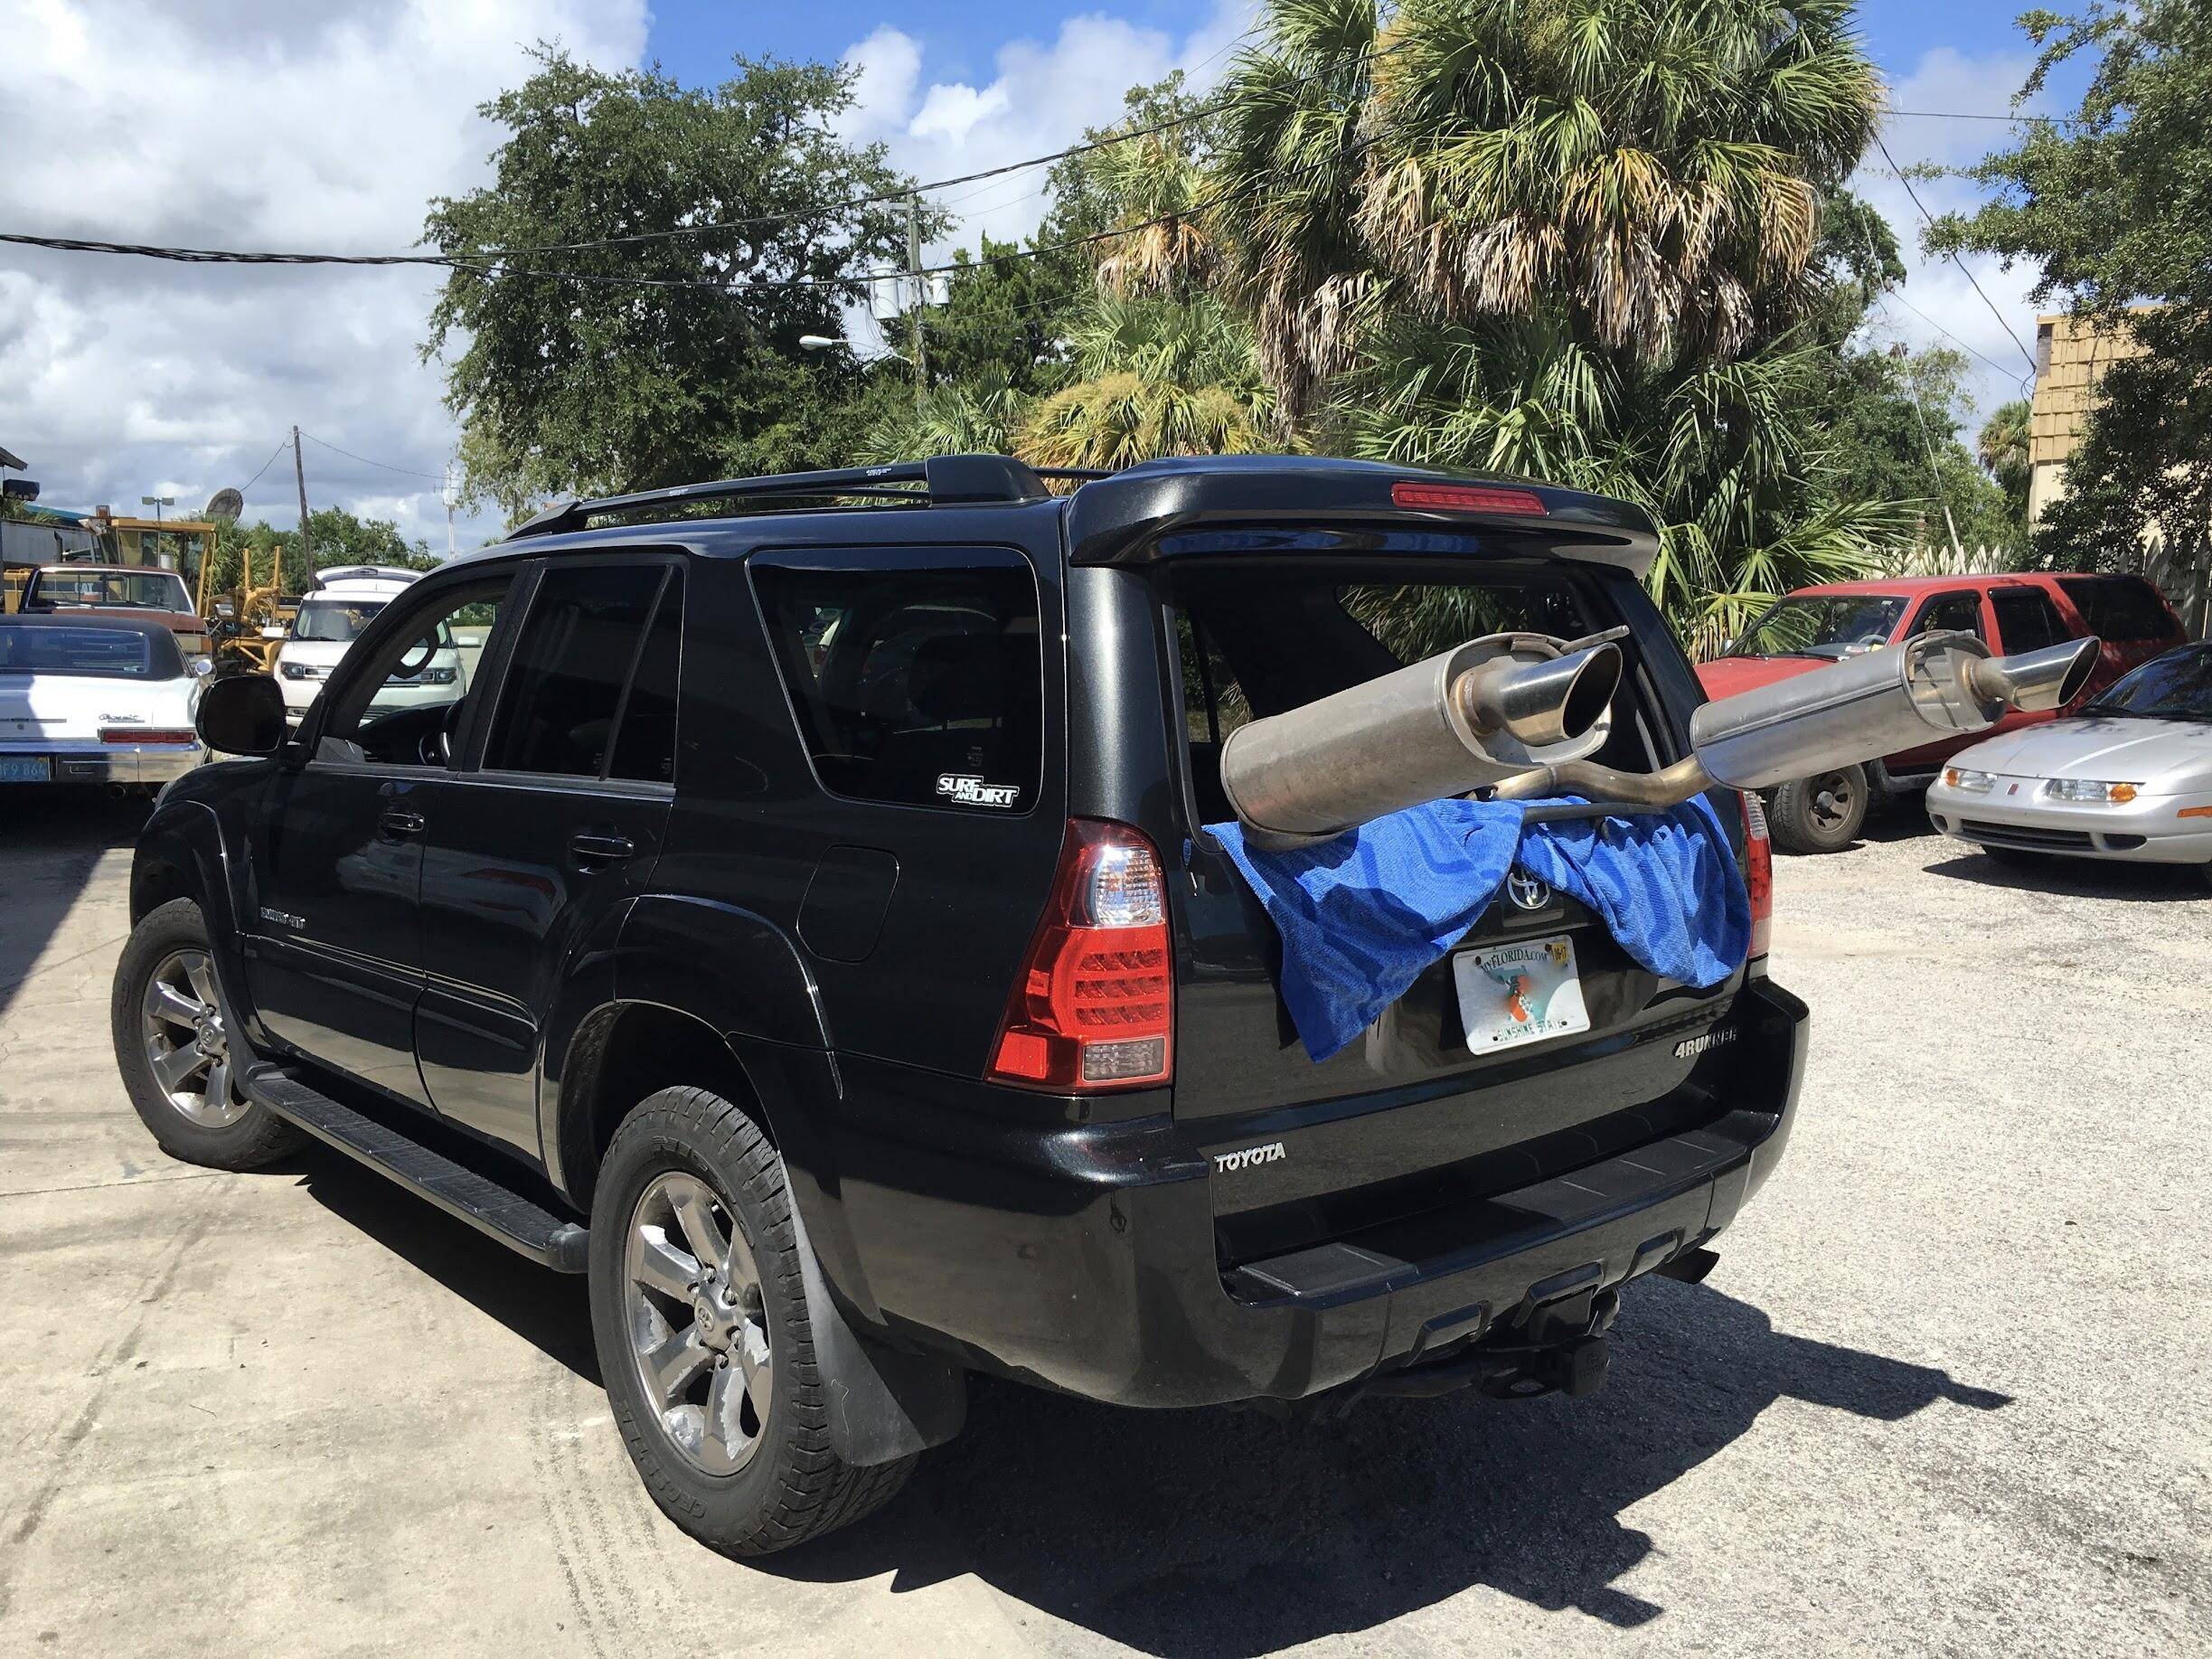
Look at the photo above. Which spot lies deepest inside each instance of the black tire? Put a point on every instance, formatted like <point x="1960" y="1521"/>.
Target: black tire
<point x="792" y="1486"/>
<point x="240" y="1135"/>
<point x="1821" y="814"/>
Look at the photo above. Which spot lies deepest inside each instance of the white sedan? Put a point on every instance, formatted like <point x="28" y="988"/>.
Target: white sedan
<point x="2127" y="777"/>
<point x="95" y="699"/>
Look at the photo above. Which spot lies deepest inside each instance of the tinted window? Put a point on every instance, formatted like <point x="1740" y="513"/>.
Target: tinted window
<point x="1953" y="612"/>
<point x="2118" y="606"/>
<point x="646" y="747"/>
<point x="576" y="653"/>
<point x="919" y="683"/>
<point x="98" y="652"/>
<point x="2025" y="619"/>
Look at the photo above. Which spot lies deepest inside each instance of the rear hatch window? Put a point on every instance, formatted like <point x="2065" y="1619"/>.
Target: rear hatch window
<point x="1411" y="1115"/>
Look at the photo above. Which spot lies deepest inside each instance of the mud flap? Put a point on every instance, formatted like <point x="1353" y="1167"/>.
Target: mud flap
<point x="884" y="1405"/>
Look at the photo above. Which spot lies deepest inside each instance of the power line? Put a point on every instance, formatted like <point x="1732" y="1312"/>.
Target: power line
<point x="436" y="478"/>
<point x="1954" y="258"/>
<point x="282" y="445"/>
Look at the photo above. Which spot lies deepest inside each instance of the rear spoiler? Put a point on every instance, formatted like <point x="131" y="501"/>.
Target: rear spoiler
<point x="1135" y="517"/>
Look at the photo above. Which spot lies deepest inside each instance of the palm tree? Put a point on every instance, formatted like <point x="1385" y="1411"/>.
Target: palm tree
<point x="978" y="418"/>
<point x="1569" y="238"/>
<point x="2003" y="451"/>
<point x="1155" y="377"/>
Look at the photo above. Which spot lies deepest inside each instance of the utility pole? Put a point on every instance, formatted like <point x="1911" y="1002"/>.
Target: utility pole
<point x="299" y="477"/>
<point x="914" y="290"/>
<point x="448" y="495"/>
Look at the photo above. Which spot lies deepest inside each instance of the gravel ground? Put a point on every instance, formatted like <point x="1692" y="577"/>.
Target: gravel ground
<point x="1949" y="1389"/>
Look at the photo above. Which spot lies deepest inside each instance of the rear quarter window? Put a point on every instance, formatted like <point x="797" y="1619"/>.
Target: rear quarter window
<point x="2119" y="608"/>
<point x="916" y="678"/>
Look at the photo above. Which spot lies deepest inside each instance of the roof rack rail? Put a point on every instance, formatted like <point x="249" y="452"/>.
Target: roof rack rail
<point x="946" y="480"/>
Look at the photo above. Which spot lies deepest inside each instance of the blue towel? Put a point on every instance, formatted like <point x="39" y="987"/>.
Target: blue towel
<point x="1363" y="915"/>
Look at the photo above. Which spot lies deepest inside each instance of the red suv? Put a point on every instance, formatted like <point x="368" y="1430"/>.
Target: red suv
<point x="1803" y="631"/>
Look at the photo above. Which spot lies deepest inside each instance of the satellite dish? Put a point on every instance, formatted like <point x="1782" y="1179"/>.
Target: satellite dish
<point x="226" y="504"/>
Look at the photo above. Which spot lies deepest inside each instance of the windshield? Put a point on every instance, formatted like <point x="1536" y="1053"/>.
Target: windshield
<point x="338" y="620"/>
<point x="1825" y="625"/>
<point x="107" y="653"/>
<point x="2176" y="686"/>
<point x="122" y="589"/>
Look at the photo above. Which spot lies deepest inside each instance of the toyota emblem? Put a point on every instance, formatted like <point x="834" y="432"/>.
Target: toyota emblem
<point x="1525" y="890"/>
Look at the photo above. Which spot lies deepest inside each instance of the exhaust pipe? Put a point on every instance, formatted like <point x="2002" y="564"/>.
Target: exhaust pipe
<point x="1487" y="710"/>
<point x="2037" y="681"/>
<point x="1933" y="685"/>
<point x="1519" y="714"/>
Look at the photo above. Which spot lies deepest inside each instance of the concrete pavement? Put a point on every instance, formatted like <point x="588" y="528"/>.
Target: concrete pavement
<point x="1950" y="1389"/>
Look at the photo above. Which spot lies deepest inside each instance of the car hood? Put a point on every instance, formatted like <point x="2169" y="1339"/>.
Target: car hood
<point x="1725" y="676"/>
<point x="2163" y="756"/>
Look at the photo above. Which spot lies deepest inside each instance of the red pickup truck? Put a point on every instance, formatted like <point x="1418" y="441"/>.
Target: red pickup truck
<point x="1805" y="631"/>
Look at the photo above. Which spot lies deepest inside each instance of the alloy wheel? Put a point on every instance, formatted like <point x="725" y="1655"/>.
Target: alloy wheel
<point x="698" y="1326"/>
<point x="187" y="1043"/>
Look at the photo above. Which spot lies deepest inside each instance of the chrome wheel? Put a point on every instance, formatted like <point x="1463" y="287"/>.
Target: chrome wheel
<point x="698" y="1332"/>
<point x="187" y="1044"/>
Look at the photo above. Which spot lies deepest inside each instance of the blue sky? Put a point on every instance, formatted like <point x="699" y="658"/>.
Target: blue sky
<point x="125" y="377"/>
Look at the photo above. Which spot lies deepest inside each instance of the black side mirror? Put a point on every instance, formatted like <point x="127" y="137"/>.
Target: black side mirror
<point x="241" y="715"/>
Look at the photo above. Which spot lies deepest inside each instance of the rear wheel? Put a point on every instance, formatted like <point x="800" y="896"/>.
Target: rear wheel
<point x="1820" y="813"/>
<point x="173" y="1043"/>
<point x="699" y="1309"/>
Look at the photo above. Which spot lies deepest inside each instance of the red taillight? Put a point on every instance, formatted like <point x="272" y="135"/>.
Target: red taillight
<point x="146" y="734"/>
<point x="1467" y="498"/>
<point x="1094" y="1006"/>
<point x="1759" y="872"/>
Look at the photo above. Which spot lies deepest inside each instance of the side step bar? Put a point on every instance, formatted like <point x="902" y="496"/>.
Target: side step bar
<point x="507" y="1216"/>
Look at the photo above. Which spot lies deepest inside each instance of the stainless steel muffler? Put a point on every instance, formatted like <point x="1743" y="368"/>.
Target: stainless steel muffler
<point x="1931" y="687"/>
<point x="1486" y="710"/>
<point x="1520" y="713"/>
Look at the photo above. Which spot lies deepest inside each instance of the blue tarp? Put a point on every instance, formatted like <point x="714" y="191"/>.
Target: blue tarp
<point x="1363" y="915"/>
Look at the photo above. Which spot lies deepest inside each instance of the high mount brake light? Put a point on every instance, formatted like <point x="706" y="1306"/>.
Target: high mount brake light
<point x="1094" y="1005"/>
<point x="1759" y="876"/>
<point x="1467" y="498"/>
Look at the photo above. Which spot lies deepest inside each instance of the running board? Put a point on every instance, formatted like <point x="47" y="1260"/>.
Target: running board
<point x="507" y="1216"/>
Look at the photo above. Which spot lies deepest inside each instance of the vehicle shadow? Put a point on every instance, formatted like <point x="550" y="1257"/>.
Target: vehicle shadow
<point x="547" y="1308"/>
<point x="52" y="841"/>
<point x="1223" y="1533"/>
<point x="2083" y="878"/>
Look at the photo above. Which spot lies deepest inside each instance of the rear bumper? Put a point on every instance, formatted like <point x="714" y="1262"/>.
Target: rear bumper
<point x="111" y="763"/>
<point x="1084" y="1259"/>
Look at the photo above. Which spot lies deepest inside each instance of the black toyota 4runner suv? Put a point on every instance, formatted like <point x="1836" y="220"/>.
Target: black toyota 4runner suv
<point x="798" y="915"/>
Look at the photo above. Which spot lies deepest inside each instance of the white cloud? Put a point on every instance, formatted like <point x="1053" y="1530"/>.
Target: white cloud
<point x="1041" y="98"/>
<point x="246" y="123"/>
<point x="1939" y="305"/>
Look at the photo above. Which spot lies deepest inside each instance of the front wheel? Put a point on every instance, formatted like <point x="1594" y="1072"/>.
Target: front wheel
<point x="1820" y="813"/>
<point x="699" y="1311"/>
<point x="179" y="1051"/>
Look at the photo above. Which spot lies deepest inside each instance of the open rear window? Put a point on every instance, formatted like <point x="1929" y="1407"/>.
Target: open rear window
<point x="1256" y="636"/>
<point x="914" y="674"/>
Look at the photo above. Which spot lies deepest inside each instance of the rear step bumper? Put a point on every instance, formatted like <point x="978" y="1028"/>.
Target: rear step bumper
<point x="1084" y="1258"/>
<point x="509" y="1217"/>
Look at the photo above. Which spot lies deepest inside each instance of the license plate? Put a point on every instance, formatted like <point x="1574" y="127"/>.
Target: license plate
<point x="1513" y="993"/>
<point x="25" y="769"/>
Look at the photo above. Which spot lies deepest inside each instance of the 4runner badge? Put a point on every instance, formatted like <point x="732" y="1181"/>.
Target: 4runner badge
<point x="1698" y="1045"/>
<point x="965" y="789"/>
<point x="1272" y="1152"/>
